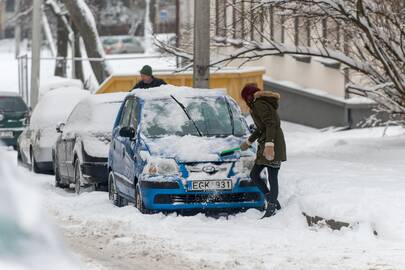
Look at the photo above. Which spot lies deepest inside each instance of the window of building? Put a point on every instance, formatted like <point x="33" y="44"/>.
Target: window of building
<point x="10" y="5"/>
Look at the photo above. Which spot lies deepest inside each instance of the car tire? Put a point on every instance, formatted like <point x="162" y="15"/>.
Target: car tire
<point x="113" y="194"/>
<point x="139" y="201"/>
<point x="34" y="165"/>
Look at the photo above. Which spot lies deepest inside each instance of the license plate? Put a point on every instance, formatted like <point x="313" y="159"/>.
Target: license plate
<point x="207" y="185"/>
<point x="6" y="134"/>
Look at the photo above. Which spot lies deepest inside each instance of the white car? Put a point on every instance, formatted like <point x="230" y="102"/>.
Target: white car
<point x="38" y="139"/>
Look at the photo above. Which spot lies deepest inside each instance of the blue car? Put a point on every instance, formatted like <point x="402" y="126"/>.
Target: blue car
<point x="165" y="153"/>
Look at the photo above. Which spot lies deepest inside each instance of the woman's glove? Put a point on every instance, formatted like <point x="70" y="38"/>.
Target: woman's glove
<point x="268" y="152"/>
<point x="245" y="145"/>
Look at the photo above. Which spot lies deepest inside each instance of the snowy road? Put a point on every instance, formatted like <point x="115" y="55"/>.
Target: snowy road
<point x="353" y="176"/>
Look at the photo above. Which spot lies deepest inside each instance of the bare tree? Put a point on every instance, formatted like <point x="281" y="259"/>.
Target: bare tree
<point x="83" y="19"/>
<point x="369" y="35"/>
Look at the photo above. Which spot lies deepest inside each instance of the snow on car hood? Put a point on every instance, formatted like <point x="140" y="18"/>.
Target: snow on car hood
<point x="191" y="148"/>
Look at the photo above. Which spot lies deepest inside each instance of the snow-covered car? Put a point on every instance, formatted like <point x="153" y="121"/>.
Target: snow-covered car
<point x="121" y="45"/>
<point x="14" y="115"/>
<point x="165" y="152"/>
<point x="37" y="141"/>
<point x="81" y="150"/>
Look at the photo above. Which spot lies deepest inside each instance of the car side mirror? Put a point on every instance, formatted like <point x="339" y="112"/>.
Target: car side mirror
<point x="59" y="127"/>
<point x="127" y="132"/>
<point x="252" y="128"/>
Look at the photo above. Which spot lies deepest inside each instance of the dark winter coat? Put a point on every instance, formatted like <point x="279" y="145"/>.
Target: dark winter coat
<point x="268" y="129"/>
<point x="154" y="83"/>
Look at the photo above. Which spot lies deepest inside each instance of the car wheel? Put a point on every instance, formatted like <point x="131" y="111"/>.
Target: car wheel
<point x="139" y="201"/>
<point x="113" y="195"/>
<point x="34" y="166"/>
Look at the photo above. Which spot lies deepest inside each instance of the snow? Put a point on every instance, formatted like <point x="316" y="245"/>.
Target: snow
<point x="28" y="239"/>
<point x="323" y="93"/>
<point x="54" y="108"/>
<point x="203" y="148"/>
<point x="92" y="119"/>
<point x="55" y="82"/>
<point x="166" y="91"/>
<point x="354" y="176"/>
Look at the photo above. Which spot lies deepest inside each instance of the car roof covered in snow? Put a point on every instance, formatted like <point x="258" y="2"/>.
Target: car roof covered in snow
<point x="104" y="98"/>
<point x="166" y="91"/>
<point x="9" y="94"/>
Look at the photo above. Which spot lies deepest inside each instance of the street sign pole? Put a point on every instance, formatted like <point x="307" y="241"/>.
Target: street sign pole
<point x="201" y="70"/>
<point x="36" y="51"/>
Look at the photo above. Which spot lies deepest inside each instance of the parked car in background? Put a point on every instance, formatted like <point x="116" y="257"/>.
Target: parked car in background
<point x="14" y="116"/>
<point x="165" y="152"/>
<point x="36" y="142"/>
<point x="121" y="45"/>
<point x="81" y="150"/>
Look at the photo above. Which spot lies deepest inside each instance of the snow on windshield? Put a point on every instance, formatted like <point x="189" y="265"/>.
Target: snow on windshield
<point x="96" y="113"/>
<point x="212" y="116"/>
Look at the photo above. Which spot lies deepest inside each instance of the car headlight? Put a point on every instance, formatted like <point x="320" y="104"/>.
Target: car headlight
<point x="1" y="117"/>
<point x="162" y="166"/>
<point x="244" y="165"/>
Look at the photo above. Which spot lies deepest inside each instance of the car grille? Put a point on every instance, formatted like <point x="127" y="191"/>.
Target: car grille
<point x="207" y="198"/>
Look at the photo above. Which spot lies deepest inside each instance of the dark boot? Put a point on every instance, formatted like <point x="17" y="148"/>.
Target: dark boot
<point x="271" y="207"/>
<point x="270" y="210"/>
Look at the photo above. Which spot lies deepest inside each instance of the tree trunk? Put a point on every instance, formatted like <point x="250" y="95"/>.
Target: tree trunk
<point x="79" y="74"/>
<point x="83" y="19"/>
<point x="62" y="48"/>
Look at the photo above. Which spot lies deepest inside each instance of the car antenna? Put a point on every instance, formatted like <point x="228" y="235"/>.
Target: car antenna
<point x="188" y="115"/>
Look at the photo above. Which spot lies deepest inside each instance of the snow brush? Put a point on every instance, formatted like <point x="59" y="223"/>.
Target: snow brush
<point x="229" y="152"/>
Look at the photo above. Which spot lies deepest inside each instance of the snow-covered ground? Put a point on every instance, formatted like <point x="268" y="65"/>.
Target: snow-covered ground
<point x="353" y="176"/>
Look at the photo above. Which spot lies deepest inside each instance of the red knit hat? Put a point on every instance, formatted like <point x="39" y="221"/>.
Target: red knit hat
<point x="248" y="92"/>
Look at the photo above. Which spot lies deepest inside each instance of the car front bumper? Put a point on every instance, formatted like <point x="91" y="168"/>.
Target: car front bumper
<point x="158" y="197"/>
<point x="95" y="172"/>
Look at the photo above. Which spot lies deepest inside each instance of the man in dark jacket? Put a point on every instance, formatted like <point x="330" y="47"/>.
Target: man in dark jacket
<point x="272" y="148"/>
<point x="147" y="79"/>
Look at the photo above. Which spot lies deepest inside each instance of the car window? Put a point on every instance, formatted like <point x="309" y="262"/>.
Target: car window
<point x="134" y="116"/>
<point x="126" y="114"/>
<point x="12" y="104"/>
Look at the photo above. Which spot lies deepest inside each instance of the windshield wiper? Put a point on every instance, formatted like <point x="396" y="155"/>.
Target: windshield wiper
<point x="188" y="115"/>
<point x="231" y="116"/>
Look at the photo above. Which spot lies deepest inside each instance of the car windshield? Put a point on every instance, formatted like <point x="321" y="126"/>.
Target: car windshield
<point x="213" y="116"/>
<point x="12" y="104"/>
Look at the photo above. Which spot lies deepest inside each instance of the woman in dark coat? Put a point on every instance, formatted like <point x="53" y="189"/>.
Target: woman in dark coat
<point x="271" y="144"/>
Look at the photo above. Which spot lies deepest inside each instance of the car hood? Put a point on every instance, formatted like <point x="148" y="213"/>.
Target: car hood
<point x="192" y="148"/>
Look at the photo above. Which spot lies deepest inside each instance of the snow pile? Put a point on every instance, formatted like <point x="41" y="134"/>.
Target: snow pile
<point x="93" y="119"/>
<point x="27" y="240"/>
<point x="56" y="82"/>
